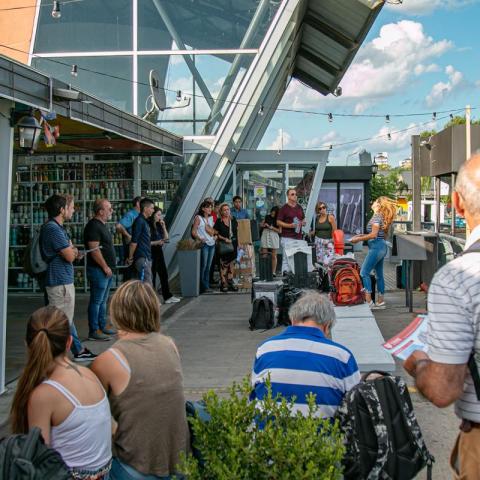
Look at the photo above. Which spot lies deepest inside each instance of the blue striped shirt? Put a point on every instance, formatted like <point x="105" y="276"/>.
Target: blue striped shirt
<point x="301" y="360"/>
<point x="378" y="219"/>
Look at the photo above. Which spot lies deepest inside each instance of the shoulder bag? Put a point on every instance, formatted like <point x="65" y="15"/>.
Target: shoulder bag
<point x="223" y="248"/>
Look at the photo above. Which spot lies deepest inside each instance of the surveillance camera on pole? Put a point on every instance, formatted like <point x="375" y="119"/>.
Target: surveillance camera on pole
<point x="157" y="100"/>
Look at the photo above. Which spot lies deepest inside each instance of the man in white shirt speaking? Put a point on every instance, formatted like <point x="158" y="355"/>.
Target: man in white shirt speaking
<point x="447" y="373"/>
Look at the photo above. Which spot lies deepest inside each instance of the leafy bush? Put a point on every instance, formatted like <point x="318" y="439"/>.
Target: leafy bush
<point x="242" y="442"/>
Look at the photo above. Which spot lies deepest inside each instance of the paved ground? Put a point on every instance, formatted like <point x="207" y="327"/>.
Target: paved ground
<point x="217" y="348"/>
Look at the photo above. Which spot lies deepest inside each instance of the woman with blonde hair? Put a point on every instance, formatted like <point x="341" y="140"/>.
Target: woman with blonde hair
<point x="226" y="229"/>
<point x="142" y="374"/>
<point x="384" y="211"/>
<point x="66" y="401"/>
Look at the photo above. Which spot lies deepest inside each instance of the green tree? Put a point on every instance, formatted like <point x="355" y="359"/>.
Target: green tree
<point x="460" y="120"/>
<point x="385" y="185"/>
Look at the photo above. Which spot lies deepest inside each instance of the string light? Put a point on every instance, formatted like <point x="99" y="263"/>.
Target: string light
<point x="74" y="71"/>
<point x="260" y="112"/>
<point x="56" y="13"/>
<point x="331" y="147"/>
<point x="387" y="118"/>
<point x="451" y="116"/>
<point x="434" y="116"/>
<point x="389" y="136"/>
<point x="289" y="110"/>
<point x="179" y="95"/>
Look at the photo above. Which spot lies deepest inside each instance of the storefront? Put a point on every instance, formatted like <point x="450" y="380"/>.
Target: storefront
<point x="99" y="152"/>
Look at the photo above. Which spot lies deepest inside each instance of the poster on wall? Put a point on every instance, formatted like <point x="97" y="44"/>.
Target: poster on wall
<point x="328" y="195"/>
<point x="350" y="218"/>
<point x="260" y="191"/>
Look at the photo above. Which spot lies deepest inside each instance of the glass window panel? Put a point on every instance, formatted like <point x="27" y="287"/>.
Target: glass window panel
<point x="202" y="25"/>
<point x="351" y="208"/>
<point x="328" y="195"/>
<point x="112" y="90"/>
<point x="93" y="25"/>
<point x="174" y="74"/>
<point x="301" y="179"/>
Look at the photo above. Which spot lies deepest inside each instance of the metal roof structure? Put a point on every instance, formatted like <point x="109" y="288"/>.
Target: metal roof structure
<point x="331" y="34"/>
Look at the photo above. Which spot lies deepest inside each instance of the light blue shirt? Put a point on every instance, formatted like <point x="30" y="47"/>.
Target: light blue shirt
<point x="127" y="220"/>
<point x="241" y="214"/>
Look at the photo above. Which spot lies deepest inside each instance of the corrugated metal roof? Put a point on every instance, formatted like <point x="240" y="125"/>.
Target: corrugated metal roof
<point x="331" y="34"/>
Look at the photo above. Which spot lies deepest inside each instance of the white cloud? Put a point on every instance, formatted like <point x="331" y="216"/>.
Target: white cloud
<point x="282" y="140"/>
<point x="383" y="67"/>
<point x="424" y="7"/>
<point x="442" y="89"/>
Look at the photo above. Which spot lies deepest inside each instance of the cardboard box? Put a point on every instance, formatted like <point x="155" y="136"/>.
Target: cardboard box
<point x="244" y="232"/>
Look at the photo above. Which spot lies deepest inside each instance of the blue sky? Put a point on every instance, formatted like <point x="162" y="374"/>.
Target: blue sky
<point x="421" y="56"/>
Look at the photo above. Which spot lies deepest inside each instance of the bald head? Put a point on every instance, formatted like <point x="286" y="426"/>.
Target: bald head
<point x="468" y="187"/>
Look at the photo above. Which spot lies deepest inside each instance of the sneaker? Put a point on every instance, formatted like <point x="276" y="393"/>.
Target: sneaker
<point x="173" y="300"/>
<point x="379" y="306"/>
<point x="232" y="287"/>
<point x="84" y="356"/>
<point x="208" y="290"/>
<point x="109" y="331"/>
<point x="99" y="336"/>
<point x="224" y="289"/>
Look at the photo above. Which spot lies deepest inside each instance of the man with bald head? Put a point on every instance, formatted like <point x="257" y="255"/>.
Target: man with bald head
<point x="444" y="375"/>
<point x="101" y="263"/>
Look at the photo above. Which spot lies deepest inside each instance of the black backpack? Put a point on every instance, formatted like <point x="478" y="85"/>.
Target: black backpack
<point x="382" y="436"/>
<point x="262" y="314"/>
<point x="26" y="457"/>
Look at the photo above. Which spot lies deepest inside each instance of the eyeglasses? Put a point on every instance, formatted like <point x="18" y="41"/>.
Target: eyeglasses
<point x="323" y="207"/>
<point x="293" y="194"/>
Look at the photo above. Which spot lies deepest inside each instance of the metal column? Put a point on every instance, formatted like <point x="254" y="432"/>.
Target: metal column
<point x="416" y="185"/>
<point x="6" y="157"/>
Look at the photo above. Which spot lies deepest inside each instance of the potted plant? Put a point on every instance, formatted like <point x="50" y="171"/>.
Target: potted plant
<point x="188" y="255"/>
<point x="234" y="438"/>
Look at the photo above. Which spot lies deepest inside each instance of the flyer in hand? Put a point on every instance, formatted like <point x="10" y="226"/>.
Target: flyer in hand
<point x="411" y="338"/>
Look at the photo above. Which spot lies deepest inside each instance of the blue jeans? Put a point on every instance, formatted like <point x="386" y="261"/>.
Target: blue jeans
<point x="77" y="346"/>
<point x="377" y="249"/>
<point x="205" y="264"/>
<point x="122" y="471"/>
<point x="99" y="290"/>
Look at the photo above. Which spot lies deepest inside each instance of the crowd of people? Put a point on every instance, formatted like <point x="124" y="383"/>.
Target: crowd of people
<point x="124" y="418"/>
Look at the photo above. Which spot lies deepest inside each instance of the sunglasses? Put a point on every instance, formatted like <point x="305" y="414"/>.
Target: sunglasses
<point x="322" y="207"/>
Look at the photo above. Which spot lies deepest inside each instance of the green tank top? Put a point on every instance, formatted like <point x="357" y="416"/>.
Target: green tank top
<point x="324" y="229"/>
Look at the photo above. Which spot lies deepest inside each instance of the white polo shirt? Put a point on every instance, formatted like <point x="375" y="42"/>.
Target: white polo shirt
<point x="454" y="319"/>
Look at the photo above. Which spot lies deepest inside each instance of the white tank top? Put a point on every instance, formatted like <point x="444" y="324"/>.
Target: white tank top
<point x="84" y="438"/>
<point x="202" y="231"/>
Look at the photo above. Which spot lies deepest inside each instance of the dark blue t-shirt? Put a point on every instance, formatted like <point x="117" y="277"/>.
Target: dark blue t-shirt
<point x="141" y="236"/>
<point x="55" y="239"/>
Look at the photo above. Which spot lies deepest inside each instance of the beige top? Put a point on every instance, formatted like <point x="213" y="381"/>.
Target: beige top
<point x="152" y="424"/>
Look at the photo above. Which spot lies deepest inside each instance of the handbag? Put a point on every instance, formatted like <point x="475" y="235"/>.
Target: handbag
<point x="223" y="248"/>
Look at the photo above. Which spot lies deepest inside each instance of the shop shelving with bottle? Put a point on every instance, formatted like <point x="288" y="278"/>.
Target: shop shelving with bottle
<point x="82" y="176"/>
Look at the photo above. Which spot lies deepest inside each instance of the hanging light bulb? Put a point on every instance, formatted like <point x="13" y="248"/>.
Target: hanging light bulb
<point x="56" y="13"/>
<point x="261" y="111"/>
<point x="434" y="116"/>
<point x="331" y="147"/>
<point x="330" y="117"/>
<point x="74" y="71"/>
<point x="451" y="116"/>
<point x="179" y="95"/>
<point x="387" y="118"/>
<point x="279" y="152"/>
<point x="389" y="136"/>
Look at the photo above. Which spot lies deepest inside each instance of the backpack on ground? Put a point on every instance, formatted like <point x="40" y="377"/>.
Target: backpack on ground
<point x="26" y="457"/>
<point x="263" y="316"/>
<point x="346" y="283"/>
<point x="34" y="261"/>
<point x="288" y="297"/>
<point x="382" y="436"/>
